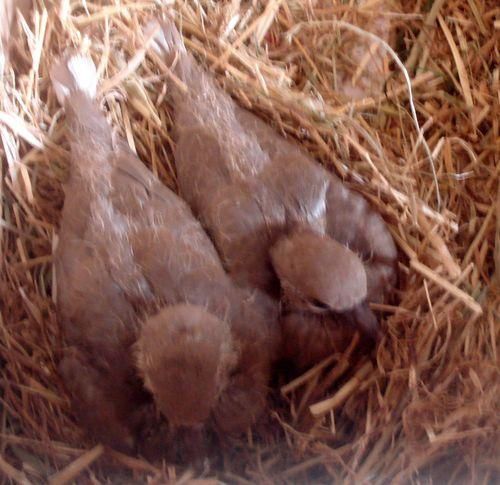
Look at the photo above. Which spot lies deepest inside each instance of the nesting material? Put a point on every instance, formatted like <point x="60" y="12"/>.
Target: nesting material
<point x="427" y="405"/>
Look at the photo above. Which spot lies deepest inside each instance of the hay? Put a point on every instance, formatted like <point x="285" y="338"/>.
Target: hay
<point x="427" y="407"/>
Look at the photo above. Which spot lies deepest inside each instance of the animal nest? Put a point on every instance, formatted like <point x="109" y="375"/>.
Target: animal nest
<point x="426" y="407"/>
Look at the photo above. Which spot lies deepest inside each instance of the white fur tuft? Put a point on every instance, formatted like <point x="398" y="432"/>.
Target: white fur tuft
<point x="167" y="39"/>
<point x="153" y="28"/>
<point x="85" y="74"/>
<point x="74" y="73"/>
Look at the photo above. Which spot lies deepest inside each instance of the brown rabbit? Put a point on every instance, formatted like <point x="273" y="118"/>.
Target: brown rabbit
<point x="252" y="189"/>
<point x="127" y="247"/>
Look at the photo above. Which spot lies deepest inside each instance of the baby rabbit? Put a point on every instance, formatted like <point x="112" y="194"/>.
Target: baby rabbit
<point x="129" y="247"/>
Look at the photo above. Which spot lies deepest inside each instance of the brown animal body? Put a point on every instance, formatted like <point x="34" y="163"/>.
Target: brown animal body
<point x="252" y="189"/>
<point x="129" y="247"/>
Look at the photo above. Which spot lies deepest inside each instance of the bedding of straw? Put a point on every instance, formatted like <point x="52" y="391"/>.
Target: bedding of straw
<point x="427" y="406"/>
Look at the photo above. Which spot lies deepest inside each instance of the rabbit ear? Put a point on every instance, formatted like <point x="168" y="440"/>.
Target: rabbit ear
<point x="74" y="72"/>
<point x="320" y="270"/>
